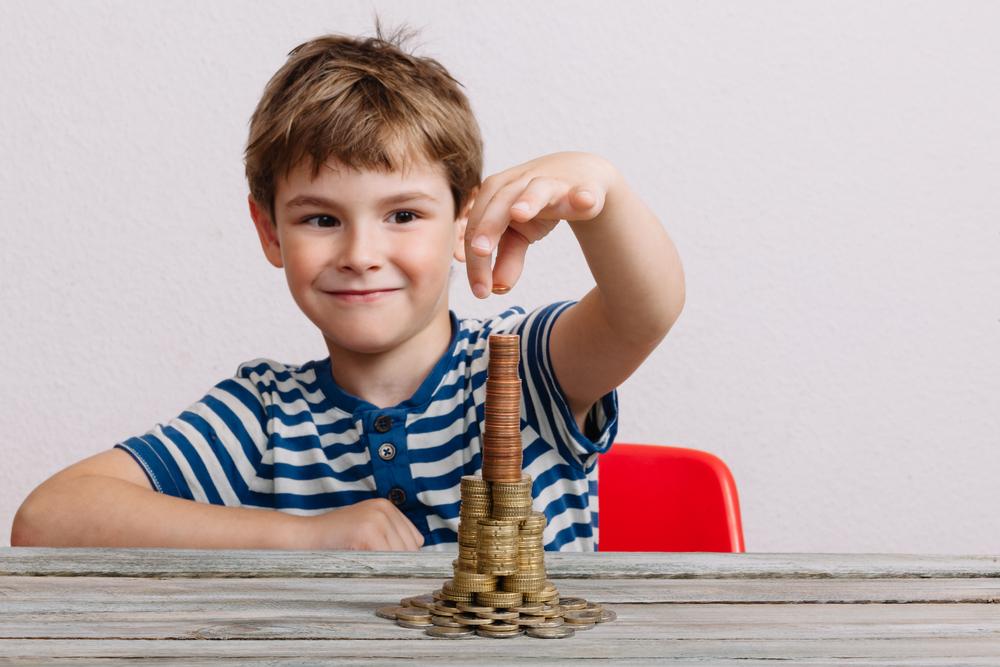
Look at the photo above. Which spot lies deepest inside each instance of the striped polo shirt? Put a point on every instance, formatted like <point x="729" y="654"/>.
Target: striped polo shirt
<point x="286" y="437"/>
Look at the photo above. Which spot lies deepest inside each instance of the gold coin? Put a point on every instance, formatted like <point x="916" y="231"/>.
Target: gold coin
<point x="389" y="612"/>
<point x="529" y="608"/>
<point x="413" y="614"/>
<point x="492" y="634"/>
<point x="560" y="632"/>
<point x="498" y="615"/>
<point x="551" y="623"/>
<point x="443" y="611"/>
<point x="423" y="601"/>
<point x="450" y="633"/>
<point x="528" y="621"/>
<point x="466" y="618"/>
<point x="572" y="604"/>
<point x="413" y="625"/>
<point x="581" y="616"/>
<point x="445" y="621"/>
<point x="607" y="615"/>
<point x="501" y="627"/>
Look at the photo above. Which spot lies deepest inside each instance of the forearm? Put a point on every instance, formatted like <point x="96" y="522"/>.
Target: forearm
<point x="639" y="276"/>
<point x="94" y="510"/>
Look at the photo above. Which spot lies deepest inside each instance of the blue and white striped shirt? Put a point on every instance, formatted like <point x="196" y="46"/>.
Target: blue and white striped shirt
<point x="288" y="438"/>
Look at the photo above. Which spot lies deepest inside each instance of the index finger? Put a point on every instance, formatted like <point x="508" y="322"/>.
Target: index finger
<point x="487" y="222"/>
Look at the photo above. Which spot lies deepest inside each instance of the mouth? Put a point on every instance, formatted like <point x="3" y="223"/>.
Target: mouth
<point x="362" y="296"/>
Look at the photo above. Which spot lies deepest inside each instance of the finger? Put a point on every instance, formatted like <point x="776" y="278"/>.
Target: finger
<point x="510" y="260"/>
<point x="418" y="538"/>
<point x="393" y="537"/>
<point x="580" y="202"/>
<point x="586" y="202"/>
<point x="407" y="532"/>
<point x="537" y="198"/>
<point x="484" y="235"/>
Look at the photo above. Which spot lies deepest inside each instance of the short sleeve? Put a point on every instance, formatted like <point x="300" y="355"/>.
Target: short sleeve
<point x="545" y="402"/>
<point x="211" y="452"/>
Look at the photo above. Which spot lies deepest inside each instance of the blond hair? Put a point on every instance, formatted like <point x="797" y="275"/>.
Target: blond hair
<point x="369" y="105"/>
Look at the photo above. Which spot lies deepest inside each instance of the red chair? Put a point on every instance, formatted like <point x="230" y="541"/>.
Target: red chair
<point x="654" y="498"/>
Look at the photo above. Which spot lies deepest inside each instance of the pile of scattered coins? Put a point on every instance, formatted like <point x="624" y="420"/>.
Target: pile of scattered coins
<point x="499" y="587"/>
<point x="440" y="616"/>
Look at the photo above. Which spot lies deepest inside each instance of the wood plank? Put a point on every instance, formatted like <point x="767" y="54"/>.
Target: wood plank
<point x="519" y="651"/>
<point x="45" y="594"/>
<point x="31" y="561"/>
<point x="336" y="614"/>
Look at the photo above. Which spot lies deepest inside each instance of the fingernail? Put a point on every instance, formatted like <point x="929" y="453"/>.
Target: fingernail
<point x="500" y="288"/>
<point x="480" y="290"/>
<point x="522" y="206"/>
<point x="585" y="193"/>
<point x="481" y="243"/>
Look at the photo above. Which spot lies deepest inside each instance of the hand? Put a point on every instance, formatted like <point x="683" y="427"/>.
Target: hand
<point x="370" y="525"/>
<point x="519" y="206"/>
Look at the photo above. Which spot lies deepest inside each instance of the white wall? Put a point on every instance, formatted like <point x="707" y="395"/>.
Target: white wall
<point x="829" y="172"/>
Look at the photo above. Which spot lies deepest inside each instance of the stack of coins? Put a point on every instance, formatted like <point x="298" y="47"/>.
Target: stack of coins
<point x="502" y="432"/>
<point x="475" y="505"/>
<point x="496" y="552"/>
<point x="511" y="500"/>
<point x="530" y="576"/>
<point x="499" y="588"/>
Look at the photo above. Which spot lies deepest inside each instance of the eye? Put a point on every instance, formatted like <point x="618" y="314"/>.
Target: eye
<point x="408" y="216"/>
<point x="321" y="221"/>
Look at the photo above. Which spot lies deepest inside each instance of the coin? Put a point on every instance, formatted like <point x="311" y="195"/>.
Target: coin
<point x="607" y="615"/>
<point x="560" y="632"/>
<point x="582" y="616"/>
<point x="450" y="633"/>
<point x="493" y="634"/>
<point x="445" y="621"/>
<point x="423" y="601"/>
<point x="413" y="625"/>
<point x="413" y="615"/>
<point x="530" y="621"/>
<point x="389" y="612"/>
<point x="466" y="618"/>
<point x="573" y="603"/>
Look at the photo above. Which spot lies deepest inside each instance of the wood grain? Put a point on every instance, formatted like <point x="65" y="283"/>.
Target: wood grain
<point x="109" y="606"/>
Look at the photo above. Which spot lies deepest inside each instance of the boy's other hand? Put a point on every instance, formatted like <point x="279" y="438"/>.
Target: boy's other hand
<point x="519" y="206"/>
<point x="370" y="525"/>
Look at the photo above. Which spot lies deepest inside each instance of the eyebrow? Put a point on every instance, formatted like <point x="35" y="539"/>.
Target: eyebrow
<point x="312" y="200"/>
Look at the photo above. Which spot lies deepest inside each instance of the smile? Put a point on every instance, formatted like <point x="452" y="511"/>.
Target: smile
<point x="362" y="296"/>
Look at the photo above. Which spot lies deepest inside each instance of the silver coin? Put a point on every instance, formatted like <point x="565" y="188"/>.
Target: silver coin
<point x="560" y="632"/>
<point x="450" y="633"/>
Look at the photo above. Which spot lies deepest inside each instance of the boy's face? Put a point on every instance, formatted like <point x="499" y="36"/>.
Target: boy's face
<point x="367" y="254"/>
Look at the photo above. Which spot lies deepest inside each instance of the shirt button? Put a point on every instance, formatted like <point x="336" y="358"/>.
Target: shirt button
<point x="397" y="496"/>
<point x="387" y="451"/>
<point x="383" y="423"/>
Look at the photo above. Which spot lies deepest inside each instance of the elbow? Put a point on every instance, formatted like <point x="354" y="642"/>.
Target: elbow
<point x="22" y="532"/>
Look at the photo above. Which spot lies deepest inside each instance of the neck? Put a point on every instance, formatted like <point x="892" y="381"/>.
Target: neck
<point x="388" y="378"/>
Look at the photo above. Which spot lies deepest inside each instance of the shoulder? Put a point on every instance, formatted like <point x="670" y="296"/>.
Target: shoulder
<point x="504" y="321"/>
<point x="267" y="376"/>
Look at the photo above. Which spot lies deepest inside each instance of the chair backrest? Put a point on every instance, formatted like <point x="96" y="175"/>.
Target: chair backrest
<point x="655" y="498"/>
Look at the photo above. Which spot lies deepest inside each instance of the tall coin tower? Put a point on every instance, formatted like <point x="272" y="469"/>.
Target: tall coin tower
<point x="499" y="587"/>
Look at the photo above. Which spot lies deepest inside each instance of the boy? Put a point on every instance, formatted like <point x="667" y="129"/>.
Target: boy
<point x="364" y="168"/>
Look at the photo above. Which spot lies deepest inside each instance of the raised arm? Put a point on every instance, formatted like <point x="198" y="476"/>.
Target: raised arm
<point x="600" y="341"/>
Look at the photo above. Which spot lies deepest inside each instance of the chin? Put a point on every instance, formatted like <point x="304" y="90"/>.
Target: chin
<point x="360" y="342"/>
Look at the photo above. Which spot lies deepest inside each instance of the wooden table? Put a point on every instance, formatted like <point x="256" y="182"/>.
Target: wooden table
<point x="105" y="606"/>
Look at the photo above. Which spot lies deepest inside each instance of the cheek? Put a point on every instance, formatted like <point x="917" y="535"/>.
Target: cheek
<point x="430" y="260"/>
<point x="303" y="260"/>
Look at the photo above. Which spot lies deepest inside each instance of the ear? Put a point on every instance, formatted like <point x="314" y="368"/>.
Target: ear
<point x="267" y="231"/>
<point x="461" y="222"/>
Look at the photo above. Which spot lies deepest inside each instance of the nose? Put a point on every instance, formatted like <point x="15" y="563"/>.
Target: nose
<point x="362" y="249"/>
